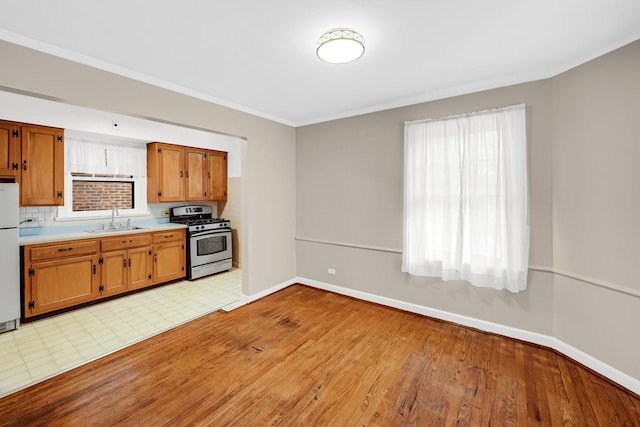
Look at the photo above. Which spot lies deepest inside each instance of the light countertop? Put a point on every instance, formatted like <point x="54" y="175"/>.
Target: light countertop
<point x="35" y="235"/>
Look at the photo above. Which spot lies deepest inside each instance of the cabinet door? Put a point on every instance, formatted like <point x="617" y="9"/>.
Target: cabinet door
<point x="42" y="169"/>
<point x="10" y="150"/>
<point x="139" y="267"/>
<point x="196" y="174"/>
<point x="217" y="164"/>
<point x="169" y="261"/>
<point x="114" y="273"/>
<point x="52" y="285"/>
<point x="171" y="174"/>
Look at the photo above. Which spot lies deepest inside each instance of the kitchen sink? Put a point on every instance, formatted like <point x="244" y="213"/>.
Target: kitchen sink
<point x="115" y="229"/>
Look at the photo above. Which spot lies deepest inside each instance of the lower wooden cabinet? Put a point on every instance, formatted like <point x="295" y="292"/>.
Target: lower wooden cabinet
<point x="140" y="268"/>
<point x="170" y="255"/>
<point x="60" y="275"/>
<point x="127" y="263"/>
<point x="64" y="274"/>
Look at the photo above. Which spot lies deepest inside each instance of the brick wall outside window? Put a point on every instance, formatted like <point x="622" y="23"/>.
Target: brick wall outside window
<point x="102" y="195"/>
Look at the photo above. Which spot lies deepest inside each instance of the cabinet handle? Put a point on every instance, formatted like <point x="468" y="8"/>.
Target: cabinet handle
<point x="168" y="236"/>
<point x="65" y="249"/>
<point x="155" y="257"/>
<point x="129" y="262"/>
<point x="127" y="241"/>
<point x="24" y="165"/>
<point x="180" y="174"/>
<point x="94" y="269"/>
<point x="124" y="263"/>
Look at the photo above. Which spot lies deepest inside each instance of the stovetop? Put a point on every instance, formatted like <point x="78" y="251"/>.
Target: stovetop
<point x="197" y="218"/>
<point x="197" y="221"/>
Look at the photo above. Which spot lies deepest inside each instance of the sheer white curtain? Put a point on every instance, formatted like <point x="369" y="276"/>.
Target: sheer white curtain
<point x="104" y="157"/>
<point x="110" y="158"/>
<point x="465" y="201"/>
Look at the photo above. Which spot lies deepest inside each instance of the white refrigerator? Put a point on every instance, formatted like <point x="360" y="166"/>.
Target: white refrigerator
<point x="9" y="258"/>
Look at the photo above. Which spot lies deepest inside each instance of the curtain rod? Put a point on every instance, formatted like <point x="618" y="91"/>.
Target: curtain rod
<point x="471" y="113"/>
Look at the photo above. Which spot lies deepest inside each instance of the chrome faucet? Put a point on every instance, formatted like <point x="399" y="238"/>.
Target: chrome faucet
<point x="114" y="212"/>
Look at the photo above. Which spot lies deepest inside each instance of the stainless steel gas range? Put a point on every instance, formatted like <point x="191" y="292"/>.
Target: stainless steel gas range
<point x="208" y="240"/>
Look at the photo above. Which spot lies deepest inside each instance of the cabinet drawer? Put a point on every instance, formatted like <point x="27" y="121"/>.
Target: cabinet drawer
<point x="64" y="249"/>
<point x="168" y="236"/>
<point x="125" y="242"/>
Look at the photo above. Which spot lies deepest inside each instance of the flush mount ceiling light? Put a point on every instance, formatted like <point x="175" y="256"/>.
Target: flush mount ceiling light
<point x="340" y="46"/>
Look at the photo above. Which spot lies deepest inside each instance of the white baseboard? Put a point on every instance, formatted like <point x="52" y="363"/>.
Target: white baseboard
<point x="246" y="299"/>
<point x="579" y="356"/>
<point x="233" y="305"/>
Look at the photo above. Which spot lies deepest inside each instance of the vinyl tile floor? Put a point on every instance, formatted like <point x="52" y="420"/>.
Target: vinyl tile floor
<point x="41" y="349"/>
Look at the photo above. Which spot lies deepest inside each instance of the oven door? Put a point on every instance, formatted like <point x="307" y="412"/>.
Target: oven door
<point x="209" y="246"/>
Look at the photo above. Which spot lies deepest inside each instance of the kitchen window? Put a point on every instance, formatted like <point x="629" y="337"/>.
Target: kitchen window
<point x="103" y="173"/>
<point x="90" y="194"/>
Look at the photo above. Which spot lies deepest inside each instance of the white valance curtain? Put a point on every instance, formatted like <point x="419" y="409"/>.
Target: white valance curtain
<point x="465" y="199"/>
<point x="95" y="156"/>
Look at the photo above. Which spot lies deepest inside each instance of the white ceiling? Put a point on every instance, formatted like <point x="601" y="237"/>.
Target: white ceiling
<point x="258" y="56"/>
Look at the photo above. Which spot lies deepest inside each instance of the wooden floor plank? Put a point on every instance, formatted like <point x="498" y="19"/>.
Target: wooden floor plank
<point x="303" y="356"/>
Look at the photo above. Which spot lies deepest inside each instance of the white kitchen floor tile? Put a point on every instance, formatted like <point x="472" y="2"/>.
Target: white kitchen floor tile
<point x="46" y="347"/>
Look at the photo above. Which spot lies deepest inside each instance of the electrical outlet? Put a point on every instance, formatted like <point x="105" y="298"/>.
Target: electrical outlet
<point x="31" y="220"/>
<point x="164" y="213"/>
<point x="331" y="271"/>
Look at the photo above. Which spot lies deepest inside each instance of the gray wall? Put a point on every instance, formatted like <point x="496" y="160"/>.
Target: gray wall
<point x="596" y="199"/>
<point x="582" y="131"/>
<point x="268" y="175"/>
<point x="350" y="190"/>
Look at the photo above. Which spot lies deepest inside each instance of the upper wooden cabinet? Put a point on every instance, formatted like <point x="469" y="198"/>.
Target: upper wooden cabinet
<point x="196" y="185"/>
<point x="217" y="176"/>
<point x="10" y="150"/>
<point x="42" y="168"/>
<point x="33" y="156"/>
<point x="165" y="173"/>
<point x="176" y="174"/>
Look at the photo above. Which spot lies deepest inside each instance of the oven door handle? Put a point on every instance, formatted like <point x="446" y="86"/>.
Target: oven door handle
<point x="208" y="232"/>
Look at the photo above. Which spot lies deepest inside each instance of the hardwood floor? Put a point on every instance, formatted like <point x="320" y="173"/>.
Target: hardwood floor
<point x="308" y="357"/>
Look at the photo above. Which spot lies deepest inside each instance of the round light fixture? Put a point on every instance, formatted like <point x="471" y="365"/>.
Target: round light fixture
<point x="340" y="46"/>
